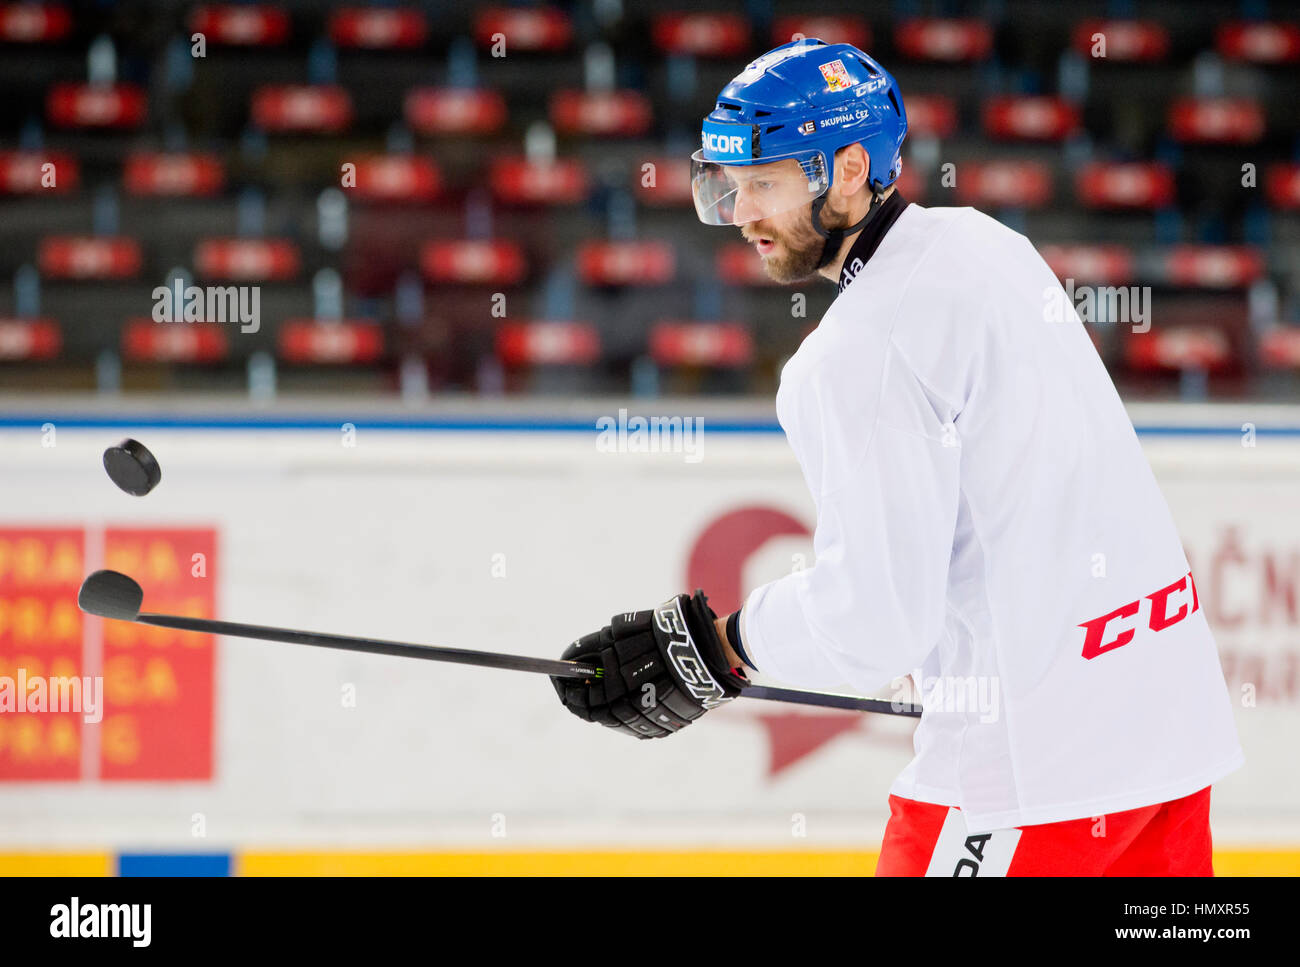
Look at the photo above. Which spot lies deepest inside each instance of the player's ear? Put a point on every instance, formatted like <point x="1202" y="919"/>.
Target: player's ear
<point x="852" y="163"/>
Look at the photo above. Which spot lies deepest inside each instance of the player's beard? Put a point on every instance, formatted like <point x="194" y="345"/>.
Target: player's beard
<point x="800" y="249"/>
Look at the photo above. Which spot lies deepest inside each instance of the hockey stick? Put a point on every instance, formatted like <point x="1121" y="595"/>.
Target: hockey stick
<point x="833" y="700"/>
<point x="110" y="594"/>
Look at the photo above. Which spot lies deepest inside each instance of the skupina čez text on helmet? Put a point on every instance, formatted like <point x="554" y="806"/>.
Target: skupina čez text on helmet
<point x="800" y="102"/>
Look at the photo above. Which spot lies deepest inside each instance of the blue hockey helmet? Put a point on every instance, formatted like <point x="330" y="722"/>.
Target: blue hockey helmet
<point x="769" y="144"/>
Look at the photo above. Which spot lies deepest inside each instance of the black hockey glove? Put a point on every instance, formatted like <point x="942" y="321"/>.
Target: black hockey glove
<point x="662" y="669"/>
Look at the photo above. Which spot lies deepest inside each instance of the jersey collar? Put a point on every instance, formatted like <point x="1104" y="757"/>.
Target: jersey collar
<point x="869" y="238"/>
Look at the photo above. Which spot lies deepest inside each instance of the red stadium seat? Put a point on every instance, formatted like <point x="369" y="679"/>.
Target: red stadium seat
<point x="517" y="180"/>
<point x="1093" y="264"/>
<point x="1031" y="118"/>
<point x="464" y="262"/>
<point x="547" y="343"/>
<point x="37" y="172"/>
<point x="911" y="186"/>
<point x="689" y="343"/>
<point x="1211" y="266"/>
<point x="1259" y="43"/>
<point x="667" y="184"/>
<point x="1216" y="120"/>
<point x="1180" y="347"/>
<point x="1026" y="184"/>
<point x="1126" y="41"/>
<point x="397" y="178"/>
<point x="1284" y="185"/>
<point x="377" y="28"/>
<point x="616" y="113"/>
<point x="701" y="34"/>
<point x="626" y="263"/>
<point x="155" y="174"/>
<point x="454" y="110"/>
<point x="302" y="108"/>
<point x="739" y="264"/>
<point x="146" y="341"/>
<point x="832" y="28"/>
<point x="1279" y="348"/>
<point x="524" y="28"/>
<point x="29" y="339"/>
<point x="246" y="259"/>
<point x="77" y="257"/>
<point x="931" y="115"/>
<point x="1135" y="185"/>
<point x="241" y="25"/>
<point x="950" y="40"/>
<point x="31" y="23"/>
<point x="310" y="341"/>
<point x="72" y="105"/>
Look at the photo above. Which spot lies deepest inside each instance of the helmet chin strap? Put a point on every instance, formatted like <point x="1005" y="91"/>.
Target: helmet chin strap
<point x="835" y="236"/>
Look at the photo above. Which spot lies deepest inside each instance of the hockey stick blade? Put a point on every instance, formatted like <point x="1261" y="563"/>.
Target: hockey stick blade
<point x="109" y="594"/>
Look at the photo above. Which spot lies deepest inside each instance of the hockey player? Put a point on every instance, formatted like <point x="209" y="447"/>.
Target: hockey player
<point x="986" y="519"/>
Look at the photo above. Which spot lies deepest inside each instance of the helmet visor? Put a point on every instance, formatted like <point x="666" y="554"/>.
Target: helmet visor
<point x="736" y="194"/>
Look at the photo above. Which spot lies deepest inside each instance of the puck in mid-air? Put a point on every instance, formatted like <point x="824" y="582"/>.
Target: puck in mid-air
<point x="132" y="467"/>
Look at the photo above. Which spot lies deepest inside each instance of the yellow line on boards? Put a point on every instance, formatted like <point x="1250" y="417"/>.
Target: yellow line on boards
<point x="1257" y="862"/>
<point x="56" y="864"/>
<point x="560" y="863"/>
<point x="1279" y="862"/>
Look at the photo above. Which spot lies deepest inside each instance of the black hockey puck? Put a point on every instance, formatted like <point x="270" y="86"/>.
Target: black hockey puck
<point x="132" y="467"/>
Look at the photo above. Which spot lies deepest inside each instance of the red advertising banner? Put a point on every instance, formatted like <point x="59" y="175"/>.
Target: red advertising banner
<point x="84" y="698"/>
<point x="158" y="681"/>
<point x="41" y="639"/>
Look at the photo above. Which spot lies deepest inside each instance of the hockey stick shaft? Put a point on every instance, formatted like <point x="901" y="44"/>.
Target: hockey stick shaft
<point x="830" y="700"/>
<point x="489" y="659"/>
<point x="374" y="646"/>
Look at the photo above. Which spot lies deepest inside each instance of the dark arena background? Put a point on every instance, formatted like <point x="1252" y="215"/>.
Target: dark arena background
<point x="412" y="306"/>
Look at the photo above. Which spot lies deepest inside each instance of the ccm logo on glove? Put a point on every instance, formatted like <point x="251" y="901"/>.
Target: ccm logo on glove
<point x="690" y="667"/>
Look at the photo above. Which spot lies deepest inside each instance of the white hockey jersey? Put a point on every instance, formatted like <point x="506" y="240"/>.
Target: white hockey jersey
<point x="987" y="521"/>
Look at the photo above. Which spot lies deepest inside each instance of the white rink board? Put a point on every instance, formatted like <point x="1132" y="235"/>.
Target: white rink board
<point x="398" y="536"/>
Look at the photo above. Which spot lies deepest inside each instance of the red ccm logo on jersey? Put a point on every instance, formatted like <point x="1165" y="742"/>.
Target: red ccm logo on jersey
<point x="1094" y="642"/>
